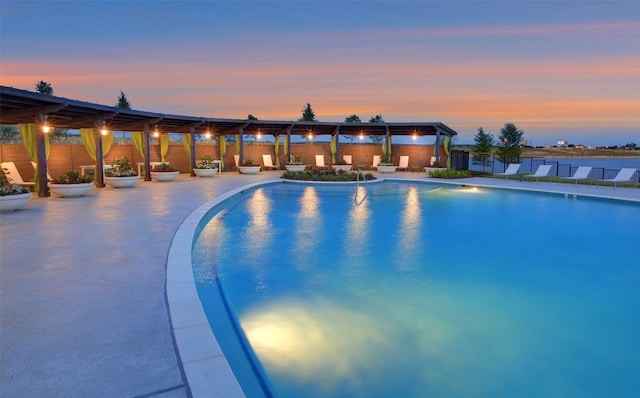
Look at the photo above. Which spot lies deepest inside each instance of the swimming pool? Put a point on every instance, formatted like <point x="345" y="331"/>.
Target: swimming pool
<point x="423" y="291"/>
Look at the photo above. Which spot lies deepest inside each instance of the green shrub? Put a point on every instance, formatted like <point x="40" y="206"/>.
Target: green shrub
<point x="324" y="175"/>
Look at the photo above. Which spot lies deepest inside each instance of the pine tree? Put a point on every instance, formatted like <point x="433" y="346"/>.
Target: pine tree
<point x="482" y="148"/>
<point x="308" y="115"/>
<point x="510" y="140"/>
<point x="123" y="103"/>
<point x="43" y="87"/>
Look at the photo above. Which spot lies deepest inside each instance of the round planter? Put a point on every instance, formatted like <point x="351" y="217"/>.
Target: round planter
<point x="295" y="167"/>
<point x="163" y="176"/>
<point x="205" y="172"/>
<point x="13" y="202"/>
<point x="249" y="169"/>
<point x="387" y="169"/>
<point x="122" y="182"/>
<point x="343" y="167"/>
<point x="71" y="190"/>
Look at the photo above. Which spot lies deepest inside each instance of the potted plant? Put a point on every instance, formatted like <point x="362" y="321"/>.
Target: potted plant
<point x="71" y="185"/>
<point x="121" y="175"/>
<point x="206" y="167"/>
<point x="12" y="196"/>
<point x="341" y="165"/>
<point x="295" y="164"/>
<point x="164" y="172"/>
<point x="385" y="166"/>
<point x="248" y="167"/>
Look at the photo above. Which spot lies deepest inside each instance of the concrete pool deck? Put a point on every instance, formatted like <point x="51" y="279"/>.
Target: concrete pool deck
<point x="83" y="308"/>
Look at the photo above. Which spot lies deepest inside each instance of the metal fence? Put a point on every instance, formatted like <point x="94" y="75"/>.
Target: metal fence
<point x="559" y="168"/>
<point x="460" y="160"/>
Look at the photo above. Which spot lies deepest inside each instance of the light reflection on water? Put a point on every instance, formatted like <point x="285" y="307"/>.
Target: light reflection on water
<point x="333" y="307"/>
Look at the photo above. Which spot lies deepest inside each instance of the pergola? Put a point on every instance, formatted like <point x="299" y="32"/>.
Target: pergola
<point x="20" y="106"/>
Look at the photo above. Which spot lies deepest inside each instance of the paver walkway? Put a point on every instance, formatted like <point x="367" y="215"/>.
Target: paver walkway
<point x="82" y="290"/>
<point x="82" y="286"/>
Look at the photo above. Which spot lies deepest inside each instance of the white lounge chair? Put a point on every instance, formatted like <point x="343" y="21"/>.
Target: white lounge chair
<point x="404" y="163"/>
<point x="623" y="175"/>
<point x="12" y="174"/>
<point x="267" y="162"/>
<point x="348" y="159"/>
<point x="581" y="174"/>
<point x="320" y="162"/>
<point x="510" y="171"/>
<point x="376" y="161"/>
<point x="543" y="171"/>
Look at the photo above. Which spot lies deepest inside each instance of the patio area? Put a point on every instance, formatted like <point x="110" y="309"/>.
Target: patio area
<point x="82" y="301"/>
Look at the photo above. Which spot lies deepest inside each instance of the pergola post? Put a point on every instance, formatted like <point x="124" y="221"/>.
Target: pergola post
<point x="99" y="173"/>
<point x="437" y="146"/>
<point x="388" y="143"/>
<point x="147" y="154"/>
<point x="193" y="151"/>
<point x="337" y="134"/>
<point x="43" y="188"/>
<point x="241" y="146"/>
<point x="288" y="143"/>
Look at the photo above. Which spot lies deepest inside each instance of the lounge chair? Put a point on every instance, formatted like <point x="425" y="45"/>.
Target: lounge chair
<point x="581" y="174"/>
<point x="543" y="171"/>
<point x="404" y="163"/>
<point x="320" y="162"/>
<point x="12" y="174"/>
<point x="376" y="161"/>
<point x="348" y="159"/>
<point x="510" y="171"/>
<point x="267" y="162"/>
<point x="623" y="175"/>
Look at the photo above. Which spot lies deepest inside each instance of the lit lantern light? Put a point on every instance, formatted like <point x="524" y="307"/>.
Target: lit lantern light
<point x="259" y="135"/>
<point x="45" y="126"/>
<point x="310" y="135"/>
<point x="104" y="130"/>
<point x="414" y="136"/>
<point x="207" y="135"/>
<point x="156" y="133"/>
<point x="361" y="136"/>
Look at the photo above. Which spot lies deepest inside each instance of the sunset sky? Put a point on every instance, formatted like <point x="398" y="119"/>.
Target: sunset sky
<point x="565" y="70"/>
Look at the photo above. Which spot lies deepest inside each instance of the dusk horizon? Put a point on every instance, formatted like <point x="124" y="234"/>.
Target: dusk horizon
<point x="557" y="70"/>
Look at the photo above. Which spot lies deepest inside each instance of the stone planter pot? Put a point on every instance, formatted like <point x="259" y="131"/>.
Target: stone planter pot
<point x="205" y="172"/>
<point x="71" y="190"/>
<point x="13" y="202"/>
<point x="387" y="169"/>
<point x="122" y="182"/>
<point x="295" y="167"/>
<point x="343" y="167"/>
<point x="249" y="169"/>
<point x="163" y="176"/>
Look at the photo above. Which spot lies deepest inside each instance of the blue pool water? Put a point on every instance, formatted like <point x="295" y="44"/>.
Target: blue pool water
<point x="423" y="291"/>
